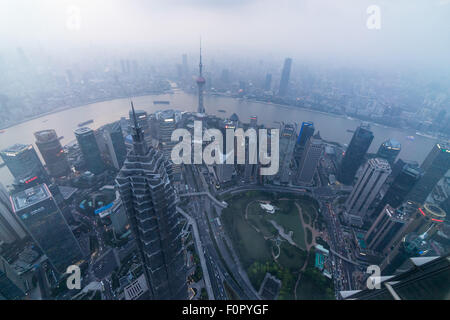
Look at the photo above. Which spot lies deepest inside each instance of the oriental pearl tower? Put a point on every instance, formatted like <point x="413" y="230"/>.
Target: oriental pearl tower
<point x="200" y="83"/>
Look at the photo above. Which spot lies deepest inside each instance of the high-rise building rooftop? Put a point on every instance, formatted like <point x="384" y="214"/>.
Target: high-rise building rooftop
<point x="29" y="197"/>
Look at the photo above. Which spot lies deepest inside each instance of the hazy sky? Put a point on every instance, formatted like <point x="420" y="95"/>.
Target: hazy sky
<point x="415" y="32"/>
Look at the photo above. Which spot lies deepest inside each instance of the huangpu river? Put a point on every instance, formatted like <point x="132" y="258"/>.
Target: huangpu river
<point x="331" y="127"/>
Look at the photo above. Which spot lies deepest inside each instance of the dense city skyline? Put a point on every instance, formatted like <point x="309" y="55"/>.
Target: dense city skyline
<point x="227" y="150"/>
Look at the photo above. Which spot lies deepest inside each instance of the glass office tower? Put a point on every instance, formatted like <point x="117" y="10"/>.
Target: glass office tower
<point x="145" y="187"/>
<point x="285" y="75"/>
<point x="354" y="156"/>
<point x="435" y="166"/>
<point x="90" y="150"/>
<point x="44" y="221"/>
<point x="51" y="150"/>
<point x="12" y="286"/>
<point x="24" y="164"/>
<point x="389" y="150"/>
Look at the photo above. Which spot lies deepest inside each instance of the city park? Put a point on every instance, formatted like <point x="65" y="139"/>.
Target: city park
<point x="276" y="233"/>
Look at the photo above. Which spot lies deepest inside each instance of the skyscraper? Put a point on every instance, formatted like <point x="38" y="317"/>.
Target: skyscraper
<point x="200" y="83"/>
<point x="310" y="160"/>
<point x="51" y="150"/>
<point x="306" y="131"/>
<point x="251" y="169"/>
<point x="149" y="201"/>
<point x="423" y="223"/>
<point x="6" y="234"/>
<point x="167" y="124"/>
<point x="285" y="75"/>
<point x="254" y="122"/>
<point x="446" y="206"/>
<point x="399" y="165"/>
<point x="12" y="286"/>
<point x="435" y="166"/>
<point x="24" y="164"/>
<point x="287" y="144"/>
<point x="411" y="245"/>
<point x="118" y="217"/>
<point x="389" y="225"/>
<point x="367" y="187"/>
<point x="268" y="82"/>
<point x="10" y="228"/>
<point x="225" y="171"/>
<point x="142" y="118"/>
<point x="441" y="191"/>
<point x="426" y="278"/>
<point x="116" y="144"/>
<point x="400" y="187"/>
<point x="90" y="150"/>
<point x="354" y="156"/>
<point x="389" y="150"/>
<point x="392" y="218"/>
<point x="429" y="218"/>
<point x="44" y="221"/>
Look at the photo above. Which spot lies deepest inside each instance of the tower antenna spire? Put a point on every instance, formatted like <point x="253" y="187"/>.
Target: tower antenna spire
<point x="201" y="65"/>
<point x="200" y="83"/>
<point x="139" y="144"/>
<point x="134" y="115"/>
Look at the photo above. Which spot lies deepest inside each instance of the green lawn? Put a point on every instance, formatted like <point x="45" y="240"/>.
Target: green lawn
<point x="285" y="216"/>
<point x="290" y="221"/>
<point x="249" y="244"/>
<point x="309" y="208"/>
<point x="253" y="250"/>
<point x="258" y="218"/>
<point x="306" y="218"/>
<point x="291" y="257"/>
<point x="308" y="235"/>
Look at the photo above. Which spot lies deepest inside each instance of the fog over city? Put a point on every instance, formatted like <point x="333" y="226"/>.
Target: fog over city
<point x="413" y="33"/>
<point x="249" y="150"/>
